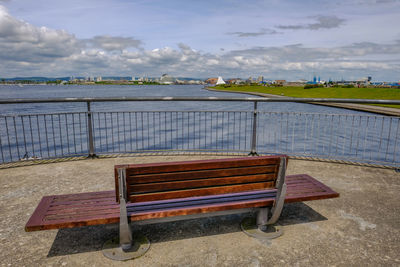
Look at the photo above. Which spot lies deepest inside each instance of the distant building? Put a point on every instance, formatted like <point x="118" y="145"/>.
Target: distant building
<point x="211" y="80"/>
<point x="166" y="79"/>
<point x="133" y="78"/>
<point x="268" y="82"/>
<point x="220" y="81"/>
<point x="260" y="79"/>
<point x="234" y="81"/>
<point x="300" y="82"/>
<point x="99" y="79"/>
<point x="280" y="82"/>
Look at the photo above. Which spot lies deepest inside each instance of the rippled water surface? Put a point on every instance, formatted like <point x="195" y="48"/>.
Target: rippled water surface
<point x="49" y="130"/>
<point x="59" y="91"/>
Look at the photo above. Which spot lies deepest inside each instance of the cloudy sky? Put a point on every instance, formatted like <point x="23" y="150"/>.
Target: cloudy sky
<point x="279" y="39"/>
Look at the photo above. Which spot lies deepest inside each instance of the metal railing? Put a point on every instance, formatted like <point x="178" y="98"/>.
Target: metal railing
<point x="352" y="137"/>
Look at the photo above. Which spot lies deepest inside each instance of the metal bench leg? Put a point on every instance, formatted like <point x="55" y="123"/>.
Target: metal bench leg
<point x="125" y="233"/>
<point x="263" y="227"/>
<point x="124" y="247"/>
<point x="262" y="218"/>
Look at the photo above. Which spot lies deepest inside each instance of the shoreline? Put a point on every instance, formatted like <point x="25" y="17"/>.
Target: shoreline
<point x="359" y="107"/>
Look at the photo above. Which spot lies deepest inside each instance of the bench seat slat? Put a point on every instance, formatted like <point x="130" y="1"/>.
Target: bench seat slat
<point x="77" y="215"/>
<point x="77" y="222"/>
<point x="79" y="209"/>
<point x="37" y="222"/>
<point x="91" y="195"/>
<point x="56" y="204"/>
<point x="161" y="207"/>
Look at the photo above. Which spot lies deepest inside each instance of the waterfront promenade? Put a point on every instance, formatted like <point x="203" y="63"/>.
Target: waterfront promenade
<point x="359" y="228"/>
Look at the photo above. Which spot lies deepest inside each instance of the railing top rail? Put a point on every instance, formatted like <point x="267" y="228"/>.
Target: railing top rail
<point x="187" y="98"/>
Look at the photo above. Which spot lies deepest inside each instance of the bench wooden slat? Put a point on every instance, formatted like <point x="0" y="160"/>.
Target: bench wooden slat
<point x="92" y="195"/>
<point x="200" y="192"/>
<point x="199" y="178"/>
<point x="202" y="209"/>
<point x="77" y="222"/>
<point x="149" y="209"/>
<point x="153" y="206"/>
<point x="82" y="208"/>
<point x="71" y="198"/>
<point x="82" y="204"/>
<point x="198" y="183"/>
<point x="134" y="169"/>
<point x="201" y="174"/>
<point x="36" y="219"/>
<point x="179" y="171"/>
<point x="71" y="202"/>
<point x="77" y="215"/>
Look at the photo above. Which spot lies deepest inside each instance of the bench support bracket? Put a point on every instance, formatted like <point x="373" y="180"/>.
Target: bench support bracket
<point x="125" y="248"/>
<point x="263" y="227"/>
<point x="125" y="233"/>
<point x="280" y="194"/>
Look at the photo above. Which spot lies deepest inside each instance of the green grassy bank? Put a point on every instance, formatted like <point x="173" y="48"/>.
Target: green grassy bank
<point x="319" y="92"/>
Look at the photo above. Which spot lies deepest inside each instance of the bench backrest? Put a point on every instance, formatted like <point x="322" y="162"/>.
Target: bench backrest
<point x="160" y="181"/>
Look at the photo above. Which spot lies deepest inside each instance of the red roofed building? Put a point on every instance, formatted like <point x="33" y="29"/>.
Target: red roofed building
<point x="211" y="80"/>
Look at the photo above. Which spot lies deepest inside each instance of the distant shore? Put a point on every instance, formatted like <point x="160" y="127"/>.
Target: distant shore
<point x="389" y="111"/>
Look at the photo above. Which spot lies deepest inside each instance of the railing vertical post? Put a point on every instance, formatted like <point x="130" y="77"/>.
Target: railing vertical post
<point x="90" y="132"/>
<point x="253" y="151"/>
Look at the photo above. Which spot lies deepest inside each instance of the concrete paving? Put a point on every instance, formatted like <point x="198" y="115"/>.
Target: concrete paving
<point x="361" y="227"/>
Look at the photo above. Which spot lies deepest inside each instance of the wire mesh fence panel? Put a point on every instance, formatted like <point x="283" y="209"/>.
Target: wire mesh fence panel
<point x="359" y="138"/>
<point x="121" y="132"/>
<point x="336" y="136"/>
<point x="41" y="136"/>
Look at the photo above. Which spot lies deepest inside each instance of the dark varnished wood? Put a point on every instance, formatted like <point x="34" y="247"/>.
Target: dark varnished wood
<point x="209" y="200"/>
<point x="203" y="174"/>
<point x="199" y="169"/>
<point x="37" y="217"/>
<point x="198" y="183"/>
<point x="199" y="192"/>
<point x="49" y="213"/>
<point x="136" y="169"/>
<point x="202" y="209"/>
<point x="197" y="178"/>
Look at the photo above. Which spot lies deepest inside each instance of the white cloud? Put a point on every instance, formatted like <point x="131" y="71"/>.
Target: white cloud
<point x="322" y="22"/>
<point x="27" y="50"/>
<point x="262" y="31"/>
<point x="112" y="43"/>
<point x="23" y="42"/>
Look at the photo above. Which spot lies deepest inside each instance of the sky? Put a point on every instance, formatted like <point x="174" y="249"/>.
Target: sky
<point x="278" y="39"/>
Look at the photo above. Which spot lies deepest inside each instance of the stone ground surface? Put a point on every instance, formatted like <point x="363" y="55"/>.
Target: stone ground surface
<point x="361" y="227"/>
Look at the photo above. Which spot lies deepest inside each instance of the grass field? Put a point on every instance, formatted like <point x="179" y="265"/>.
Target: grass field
<point x="321" y="92"/>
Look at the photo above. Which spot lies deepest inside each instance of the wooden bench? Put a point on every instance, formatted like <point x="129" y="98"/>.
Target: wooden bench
<point x="147" y="193"/>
